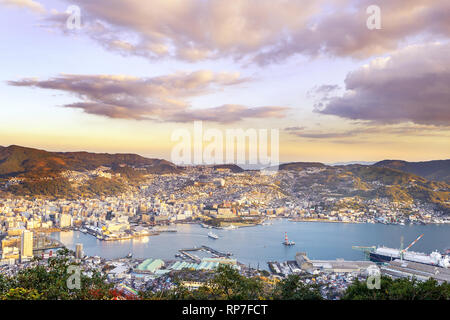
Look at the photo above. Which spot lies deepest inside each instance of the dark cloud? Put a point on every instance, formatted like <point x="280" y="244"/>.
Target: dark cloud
<point x="412" y="84"/>
<point x="161" y="98"/>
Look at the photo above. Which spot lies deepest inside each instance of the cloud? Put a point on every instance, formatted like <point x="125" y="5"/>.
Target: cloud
<point x="259" y="31"/>
<point x="371" y="130"/>
<point x="412" y="84"/>
<point x="229" y="113"/>
<point x="163" y="98"/>
<point x="294" y="129"/>
<point x="341" y="30"/>
<point x="28" y="4"/>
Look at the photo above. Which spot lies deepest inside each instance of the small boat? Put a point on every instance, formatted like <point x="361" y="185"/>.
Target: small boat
<point x="286" y="242"/>
<point x="129" y="256"/>
<point x="213" y="235"/>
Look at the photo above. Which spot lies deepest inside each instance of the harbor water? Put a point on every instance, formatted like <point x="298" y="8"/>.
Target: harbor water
<point x="263" y="243"/>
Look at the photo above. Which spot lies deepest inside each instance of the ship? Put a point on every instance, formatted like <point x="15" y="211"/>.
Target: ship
<point x="213" y="235"/>
<point x="286" y="242"/>
<point x="384" y="254"/>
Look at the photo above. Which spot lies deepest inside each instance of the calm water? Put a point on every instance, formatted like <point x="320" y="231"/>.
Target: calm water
<point x="263" y="243"/>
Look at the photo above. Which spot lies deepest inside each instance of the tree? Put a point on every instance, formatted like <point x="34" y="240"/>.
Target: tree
<point x="226" y="284"/>
<point x="229" y="284"/>
<point x="21" y="294"/>
<point x="292" y="288"/>
<point x="399" y="289"/>
<point x="50" y="282"/>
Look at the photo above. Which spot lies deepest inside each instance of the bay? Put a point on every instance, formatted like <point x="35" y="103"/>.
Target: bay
<point x="260" y="244"/>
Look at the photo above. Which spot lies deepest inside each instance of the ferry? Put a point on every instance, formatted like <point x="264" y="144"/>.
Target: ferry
<point x="213" y="235"/>
<point x="286" y="242"/>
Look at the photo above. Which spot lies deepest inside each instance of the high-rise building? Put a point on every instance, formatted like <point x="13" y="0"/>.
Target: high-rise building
<point x="79" y="251"/>
<point x="26" y="245"/>
<point x="65" y="220"/>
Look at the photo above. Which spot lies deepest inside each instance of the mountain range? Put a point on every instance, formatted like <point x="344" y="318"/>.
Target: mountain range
<point x="41" y="174"/>
<point x="22" y="161"/>
<point x="18" y="161"/>
<point x="437" y="170"/>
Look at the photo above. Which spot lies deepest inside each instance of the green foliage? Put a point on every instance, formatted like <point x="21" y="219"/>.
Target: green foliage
<point x="21" y="294"/>
<point x="228" y="284"/>
<point x="59" y="187"/>
<point x="292" y="288"/>
<point x="100" y="186"/>
<point x="399" y="289"/>
<point x="49" y="282"/>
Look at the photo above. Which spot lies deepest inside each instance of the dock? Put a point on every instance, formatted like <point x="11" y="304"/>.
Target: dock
<point x="186" y="253"/>
<point x="422" y="272"/>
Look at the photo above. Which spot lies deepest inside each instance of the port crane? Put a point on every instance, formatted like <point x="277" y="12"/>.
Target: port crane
<point x="368" y="250"/>
<point x="402" y="251"/>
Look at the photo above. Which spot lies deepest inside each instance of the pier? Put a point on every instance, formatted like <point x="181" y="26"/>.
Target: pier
<point x="186" y="253"/>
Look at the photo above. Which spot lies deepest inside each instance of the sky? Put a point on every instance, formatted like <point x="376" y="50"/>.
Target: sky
<point x="136" y="71"/>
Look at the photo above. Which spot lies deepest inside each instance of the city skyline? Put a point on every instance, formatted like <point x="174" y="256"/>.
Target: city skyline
<point x="122" y="83"/>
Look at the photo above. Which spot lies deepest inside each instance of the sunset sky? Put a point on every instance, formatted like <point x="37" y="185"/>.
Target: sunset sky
<point x="137" y="70"/>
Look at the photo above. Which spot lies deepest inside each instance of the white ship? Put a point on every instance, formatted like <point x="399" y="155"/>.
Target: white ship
<point x="213" y="235"/>
<point x="384" y="254"/>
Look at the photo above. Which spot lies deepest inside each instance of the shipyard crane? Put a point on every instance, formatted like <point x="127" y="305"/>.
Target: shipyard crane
<point x="411" y="244"/>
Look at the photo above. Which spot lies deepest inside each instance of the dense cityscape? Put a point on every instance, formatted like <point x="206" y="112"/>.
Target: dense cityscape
<point x="189" y="151"/>
<point x="216" y="197"/>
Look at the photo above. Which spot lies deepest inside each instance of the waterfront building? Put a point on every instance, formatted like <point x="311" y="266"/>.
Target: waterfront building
<point x="26" y="245"/>
<point x="65" y="220"/>
<point x="79" y="251"/>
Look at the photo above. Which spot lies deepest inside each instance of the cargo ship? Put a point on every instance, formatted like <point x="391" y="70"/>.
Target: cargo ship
<point x="384" y="254"/>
